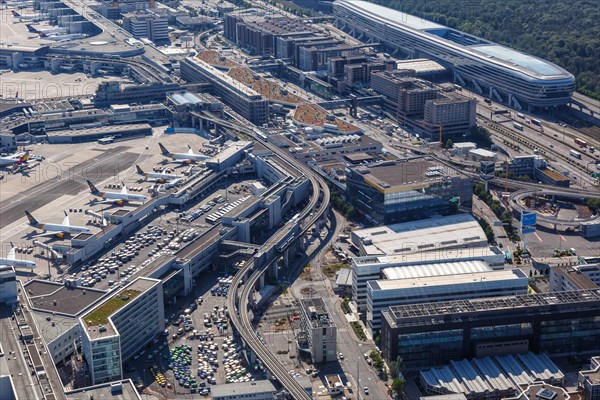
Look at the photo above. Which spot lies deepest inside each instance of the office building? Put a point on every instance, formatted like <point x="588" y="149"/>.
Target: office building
<point x="517" y="79"/>
<point x="451" y="114"/>
<point x="253" y="390"/>
<point x="384" y="293"/>
<point x="8" y="390"/>
<point x="459" y="231"/>
<point x="365" y="269"/>
<point x="423" y="106"/>
<point x="256" y="31"/>
<point x="61" y="305"/>
<point x="524" y="165"/>
<point x="319" y="333"/>
<point x="356" y="74"/>
<point x="150" y="25"/>
<point x="589" y="380"/>
<point x="542" y="391"/>
<point x="429" y="334"/>
<point x="337" y="65"/>
<point x="402" y="190"/>
<point x="244" y="100"/>
<point x="118" y="327"/>
<point x="8" y="284"/>
<point x="574" y="277"/>
<point x="119" y="390"/>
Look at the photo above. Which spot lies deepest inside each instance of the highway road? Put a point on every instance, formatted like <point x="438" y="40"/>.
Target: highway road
<point x="238" y="305"/>
<point x="355" y="367"/>
<point x="591" y="104"/>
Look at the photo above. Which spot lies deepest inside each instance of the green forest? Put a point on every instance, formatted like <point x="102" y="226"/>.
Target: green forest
<point x="566" y="32"/>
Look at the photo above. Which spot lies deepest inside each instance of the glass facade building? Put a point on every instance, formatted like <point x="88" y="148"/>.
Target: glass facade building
<point x="118" y="327"/>
<point x="430" y="334"/>
<point x="517" y="79"/>
<point x="406" y="190"/>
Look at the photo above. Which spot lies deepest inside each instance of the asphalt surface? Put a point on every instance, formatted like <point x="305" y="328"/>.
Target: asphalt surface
<point x="353" y="368"/>
<point x="68" y="182"/>
<point x="15" y="361"/>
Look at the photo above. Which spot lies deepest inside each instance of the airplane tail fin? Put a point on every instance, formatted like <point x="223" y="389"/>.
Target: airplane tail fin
<point x="16" y="14"/>
<point x="93" y="188"/>
<point x="31" y="28"/>
<point x="42" y="34"/>
<point x="32" y="220"/>
<point x="139" y="170"/>
<point x="23" y="158"/>
<point x="189" y="147"/>
<point x="163" y="150"/>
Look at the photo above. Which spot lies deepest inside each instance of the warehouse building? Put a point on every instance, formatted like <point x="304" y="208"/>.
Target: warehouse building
<point x="431" y="334"/>
<point x="491" y="378"/>
<point x="384" y="293"/>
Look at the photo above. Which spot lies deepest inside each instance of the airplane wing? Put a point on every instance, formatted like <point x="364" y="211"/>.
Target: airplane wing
<point x="107" y="201"/>
<point x="66" y="220"/>
<point x="52" y="233"/>
<point x="190" y="151"/>
<point x="11" y="254"/>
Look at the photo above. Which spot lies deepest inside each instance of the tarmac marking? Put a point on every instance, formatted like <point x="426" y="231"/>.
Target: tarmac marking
<point x="538" y="236"/>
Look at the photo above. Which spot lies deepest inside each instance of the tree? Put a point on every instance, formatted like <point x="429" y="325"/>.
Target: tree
<point x="449" y="144"/>
<point x="567" y="34"/>
<point x="593" y="204"/>
<point x="398" y="385"/>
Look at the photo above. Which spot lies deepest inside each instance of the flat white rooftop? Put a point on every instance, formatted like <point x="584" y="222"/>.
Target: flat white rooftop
<point x="447" y="280"/>
<point x="448" y="232"/>
<point x="490" y="255"/>
<point x="435" y="269"/>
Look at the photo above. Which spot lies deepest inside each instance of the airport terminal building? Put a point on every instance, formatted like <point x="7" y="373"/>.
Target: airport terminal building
<point x="505" y="75"/>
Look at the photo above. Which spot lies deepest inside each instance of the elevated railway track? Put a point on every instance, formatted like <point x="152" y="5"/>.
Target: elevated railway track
<point x="245" y="280"/>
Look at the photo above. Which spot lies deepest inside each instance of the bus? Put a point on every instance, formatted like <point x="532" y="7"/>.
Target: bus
<point x="580" y="143"/>
<point x="211" y="219"/>
<point x="518" y="126"/>
<point x="106" y="140"/>
<point x="575" y="154"/>
<point x="536" y="122"/>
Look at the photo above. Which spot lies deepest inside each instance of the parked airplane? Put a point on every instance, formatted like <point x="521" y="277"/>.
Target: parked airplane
<point x="114" y="197"/>
<point x="161" y="177"/>
<point x="35" y="17"/>
<point x="57" y="37"/>
<point x="11" y="260"/>
<point x="56" y="229"/>
<point x="48" y="31"/>
<point x="18" y="159"/>
<point x="189" y="158"/>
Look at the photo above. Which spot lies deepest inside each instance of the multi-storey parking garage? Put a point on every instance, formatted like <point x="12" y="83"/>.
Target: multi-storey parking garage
<point x="517" y="79"/>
